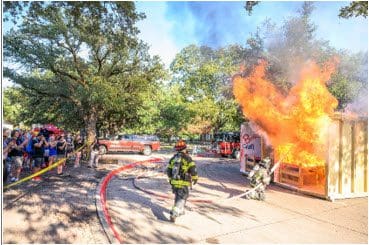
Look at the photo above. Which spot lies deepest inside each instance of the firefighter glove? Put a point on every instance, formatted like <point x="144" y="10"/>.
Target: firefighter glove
<point x="194" y="181"/>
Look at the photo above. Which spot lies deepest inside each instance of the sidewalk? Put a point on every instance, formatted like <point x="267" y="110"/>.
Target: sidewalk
<point x="285" y="217"/>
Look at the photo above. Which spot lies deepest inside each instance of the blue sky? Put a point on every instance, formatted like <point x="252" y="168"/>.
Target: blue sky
<point x="170" y="26"/>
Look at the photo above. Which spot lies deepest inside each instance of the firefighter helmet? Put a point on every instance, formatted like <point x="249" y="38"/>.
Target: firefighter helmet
<point x="180" y="145"/>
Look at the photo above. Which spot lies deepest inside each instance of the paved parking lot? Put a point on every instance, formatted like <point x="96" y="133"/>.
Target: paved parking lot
<point x="62" y="209"/>
<point x="285" y="217"/>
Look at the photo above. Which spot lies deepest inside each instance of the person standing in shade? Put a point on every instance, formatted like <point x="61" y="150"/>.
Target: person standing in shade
<point x="38" y="144"/>
<point x="69" y="148"/>
<point x="52" y="149"/>
<point x="78" y="143"/>
<point x="7" y="144"/>
<point x="16" y="153"/>
<point x="94" y="156"/>
<point x="61" y="154"/>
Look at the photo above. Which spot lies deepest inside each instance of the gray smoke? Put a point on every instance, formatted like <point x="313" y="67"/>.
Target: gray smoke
<point x="360" y="104"/>
<point x="214" y="24"/>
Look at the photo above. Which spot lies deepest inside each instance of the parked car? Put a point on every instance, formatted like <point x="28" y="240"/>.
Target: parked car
<point x="144" y="144"/>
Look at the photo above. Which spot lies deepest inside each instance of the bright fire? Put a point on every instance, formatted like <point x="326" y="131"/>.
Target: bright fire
<point x="295" y="123"/>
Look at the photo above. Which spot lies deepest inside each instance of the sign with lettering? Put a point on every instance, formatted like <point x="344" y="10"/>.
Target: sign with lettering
<point x="250" y="146"/>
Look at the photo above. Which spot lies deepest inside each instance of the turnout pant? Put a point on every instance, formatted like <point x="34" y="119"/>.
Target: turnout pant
<point x="181" y="195"/>
<point x="258" y="193"/>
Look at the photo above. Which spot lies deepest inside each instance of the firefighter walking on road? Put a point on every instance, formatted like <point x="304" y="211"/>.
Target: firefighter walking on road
<point x="182" y="173"/>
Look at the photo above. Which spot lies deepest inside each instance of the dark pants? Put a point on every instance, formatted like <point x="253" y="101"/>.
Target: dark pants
<point x="181" y="195"/>
<point x="5" y="171"/>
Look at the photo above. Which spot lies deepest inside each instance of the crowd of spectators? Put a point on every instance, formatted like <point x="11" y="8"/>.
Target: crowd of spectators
<point x="30" y="151"/>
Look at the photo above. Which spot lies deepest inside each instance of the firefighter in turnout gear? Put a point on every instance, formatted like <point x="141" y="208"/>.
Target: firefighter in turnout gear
<point x="182" y="174"/>
<point x="259" y="179"/>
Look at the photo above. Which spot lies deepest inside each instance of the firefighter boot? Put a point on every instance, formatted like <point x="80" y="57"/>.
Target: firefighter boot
<point x="180" y="204"/>
<point x="261" y="196"/>
<point x="174" y="213"/>
<point x="252" y="195"/>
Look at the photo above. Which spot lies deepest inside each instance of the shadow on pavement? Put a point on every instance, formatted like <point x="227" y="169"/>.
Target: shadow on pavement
<point x="54" y="210"/>
<point x="133" y="227"/>
<point x="152" y="212"/>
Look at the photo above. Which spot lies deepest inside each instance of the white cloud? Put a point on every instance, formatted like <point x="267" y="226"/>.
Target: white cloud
<point x="6" y="83"/>
<point x="155" y="31"/>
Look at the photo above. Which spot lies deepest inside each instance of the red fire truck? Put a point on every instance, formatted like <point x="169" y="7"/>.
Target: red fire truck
<point x="227" y="144"/>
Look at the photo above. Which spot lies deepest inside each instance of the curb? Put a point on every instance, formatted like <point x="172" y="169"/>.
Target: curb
<point x="100" y="200"/>
<point x="100" y="214"/>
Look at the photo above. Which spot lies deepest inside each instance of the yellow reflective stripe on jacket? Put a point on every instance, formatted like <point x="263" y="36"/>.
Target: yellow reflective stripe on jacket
<point x="180" y="182"/>
<point x="194" y="177"/>
<point x="187" y="166"/>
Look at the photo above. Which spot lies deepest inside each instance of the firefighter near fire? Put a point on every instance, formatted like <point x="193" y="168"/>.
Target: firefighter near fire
<point x="259" y="177"/>
<point x="182" y="173"/>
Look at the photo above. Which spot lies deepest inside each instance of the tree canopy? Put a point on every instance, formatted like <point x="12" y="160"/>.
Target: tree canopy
<point x="85" y="56"/>
<point x="81" y="65"/>
<point x="355" y="9"/>
<point x="203" y="76"/>
<point x="250" y="5"/>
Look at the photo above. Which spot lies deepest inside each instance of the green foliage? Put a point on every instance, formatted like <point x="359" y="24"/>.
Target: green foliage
<point x="11" y="105"/>
<point x="343" y="89"/>
<point x="203" y="76"/>
<point x="350" y="78"/>
<point x="174" y="113"/>
<point x="83" y="57"/>
<point x="82" y="66"/>
<point x="355" y="9"/>
<point x="26" y="106"/>
<point x="249" y="6"/>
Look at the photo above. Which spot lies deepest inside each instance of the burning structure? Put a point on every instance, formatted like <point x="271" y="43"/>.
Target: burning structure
<point x="322" y="152"/>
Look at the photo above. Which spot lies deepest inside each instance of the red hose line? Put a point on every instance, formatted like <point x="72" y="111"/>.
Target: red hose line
<point x="118" y="170"/>
<point x="103" y="192"/>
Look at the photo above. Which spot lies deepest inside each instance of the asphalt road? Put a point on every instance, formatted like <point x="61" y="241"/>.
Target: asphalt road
<point x="62" y="210"/>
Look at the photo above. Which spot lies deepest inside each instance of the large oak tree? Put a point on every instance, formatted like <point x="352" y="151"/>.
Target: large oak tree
<point x="80" y="55"/>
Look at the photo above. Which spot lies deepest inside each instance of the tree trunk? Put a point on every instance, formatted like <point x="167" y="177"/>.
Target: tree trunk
<point x="90" y="121"/>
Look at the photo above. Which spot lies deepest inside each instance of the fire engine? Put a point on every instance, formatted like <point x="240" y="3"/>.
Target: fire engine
<point x="227" y="144"/>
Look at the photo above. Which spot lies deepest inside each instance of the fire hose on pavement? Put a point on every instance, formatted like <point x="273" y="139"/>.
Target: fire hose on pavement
<point x="101" y="196"/>
<point x="165" y="196"/>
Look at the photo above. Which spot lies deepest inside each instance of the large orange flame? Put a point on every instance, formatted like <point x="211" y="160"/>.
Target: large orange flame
<point x="295" y="124"/>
